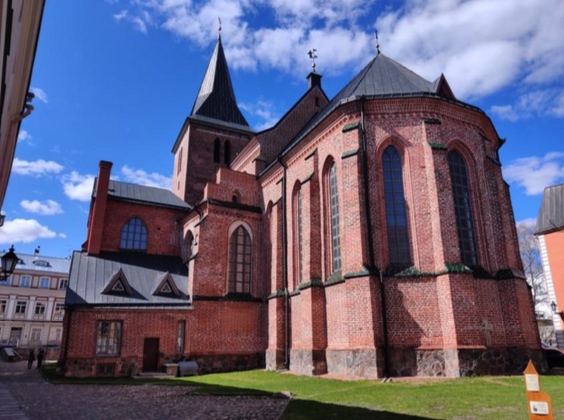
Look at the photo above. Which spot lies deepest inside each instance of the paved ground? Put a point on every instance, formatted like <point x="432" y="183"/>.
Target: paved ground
<point x="25" y="395"/>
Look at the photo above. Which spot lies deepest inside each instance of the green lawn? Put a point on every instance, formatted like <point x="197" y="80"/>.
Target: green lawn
<point x="499" y="398"/>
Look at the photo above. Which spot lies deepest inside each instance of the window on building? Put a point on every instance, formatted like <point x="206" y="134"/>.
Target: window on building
<point x="334" y="208"/>
<point x="108" y="338"/>
<point x="217" y="151"/>
<point x="59" y="309"/>
<point x="298" y="237"/>
<point x="240" y="261"/>
<point x="63" y="283"/>
<point x="396" y="218"/>
<point x="21" y="307"/>
<point x="58" y="334"/>
<point x="3" y="306"/>
<point x="462" y="208"/>
<point x="39" y="308"/>
<point x="179" y="162"/>
<point x="227" y="153"/>
<point x="6" y="282"/>
<point x="25" y="281"/>
<point x="180" y="334"/>
<point x="45" y="282"/>
<point x="35" y="334"/>
<point x="134" y="235"/>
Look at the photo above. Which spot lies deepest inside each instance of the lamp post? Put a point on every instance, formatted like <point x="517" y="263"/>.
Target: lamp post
<point x="9" y="262"/>
<point x="554" y="308"/>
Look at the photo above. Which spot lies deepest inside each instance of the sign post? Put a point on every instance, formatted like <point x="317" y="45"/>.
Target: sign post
<point x="538" y="401"/>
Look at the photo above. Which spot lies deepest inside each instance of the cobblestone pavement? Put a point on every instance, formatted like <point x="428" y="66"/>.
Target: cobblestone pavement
<point x="37" y="399"/>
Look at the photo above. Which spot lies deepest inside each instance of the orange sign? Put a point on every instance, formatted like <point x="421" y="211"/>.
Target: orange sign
<point x="538" y="401"/>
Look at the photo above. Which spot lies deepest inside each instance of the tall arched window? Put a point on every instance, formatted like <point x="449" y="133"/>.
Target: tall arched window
<point x="298" y="236"/>
<point x="217" y="151"/>
<point x="227" y="152"/>
<point x="134" y="235"/>
<point x="179" y="163"/>
<point x="396" y="218"/>
<point x="240" y="261"/>
<point x="462" y="208"/>
<point x="334" y="208"/>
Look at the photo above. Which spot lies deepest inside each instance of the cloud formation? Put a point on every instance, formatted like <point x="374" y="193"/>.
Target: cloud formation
<point x="46" y="208"/>
<point x="140" y="177"/>
<point x="36" y="168"/>
<point x="23" y="135"/>
<point x="39" y="94"/>
<point x="535" y="173"/>
<point x="24" y="230"/>
<point x="78" y="187"/>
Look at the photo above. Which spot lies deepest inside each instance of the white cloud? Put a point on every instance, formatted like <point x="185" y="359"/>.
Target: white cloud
<point x="535" y="173"/>
<point x="529" y="222"/>
<point x="139" y="21"/>
<point x="39" y="94"/>
<point x="37" y="168"/>
<point x="138" y="176"/>
<point x="24" y="230"/>
<point x="263" y="110"/>
<point x="47" y="208"/>
<point x="78" y="187"/>
<point x="536" y="103"/>
<point x="62" y="235"/>
<point x="23" y="135"/>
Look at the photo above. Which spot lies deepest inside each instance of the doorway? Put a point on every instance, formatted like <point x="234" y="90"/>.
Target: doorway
<point x="15" y="336"/>
<point x="150" y="354"/>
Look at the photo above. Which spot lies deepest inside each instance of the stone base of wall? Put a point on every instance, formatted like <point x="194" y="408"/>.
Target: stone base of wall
<point x="275" y="359"/>
<point x="463" y="362"/>
<point x="355" y="364"/>
<point x="85" y="368"/>
<point x="308" y="362"/>
<point x="228" y="363"/>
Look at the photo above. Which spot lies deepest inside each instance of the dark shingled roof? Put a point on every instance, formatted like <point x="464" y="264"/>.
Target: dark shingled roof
<point x="142" y="194"/>
<point x="551" y="214"/>
<point x="381" y="78"/>
<point x="90" y="274"/>
<point x="216" y="98"/>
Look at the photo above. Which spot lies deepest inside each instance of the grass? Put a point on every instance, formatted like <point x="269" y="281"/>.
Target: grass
<point x="500" y="398"/>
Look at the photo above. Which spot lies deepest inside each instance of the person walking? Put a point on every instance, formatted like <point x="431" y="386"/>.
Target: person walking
<point x="30" y="359"/>
<point x="40" y="355"/>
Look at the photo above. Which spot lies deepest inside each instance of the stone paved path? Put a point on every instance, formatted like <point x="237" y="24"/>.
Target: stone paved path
<point x="25" y="395"/>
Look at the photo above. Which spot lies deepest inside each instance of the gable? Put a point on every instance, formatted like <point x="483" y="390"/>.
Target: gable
<point x="117" y="283"/>
<point x="165" y="285"/>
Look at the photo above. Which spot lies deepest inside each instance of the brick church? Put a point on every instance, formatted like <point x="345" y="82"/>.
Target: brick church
<point x="367" y="235"/>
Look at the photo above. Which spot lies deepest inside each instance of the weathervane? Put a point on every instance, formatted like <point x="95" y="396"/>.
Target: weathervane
<point x="219" y="27"/>
<point x="377" y="44"/>
<point x="313" y="56"/>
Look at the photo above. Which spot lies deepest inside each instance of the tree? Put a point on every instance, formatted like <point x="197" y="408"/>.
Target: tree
<point x="532" y="264"/>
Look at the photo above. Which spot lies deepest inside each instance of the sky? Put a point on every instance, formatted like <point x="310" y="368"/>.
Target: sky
<point x="115" y="79"/>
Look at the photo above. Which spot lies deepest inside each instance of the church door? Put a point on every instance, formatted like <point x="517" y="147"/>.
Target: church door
<point x="150" y="355"/>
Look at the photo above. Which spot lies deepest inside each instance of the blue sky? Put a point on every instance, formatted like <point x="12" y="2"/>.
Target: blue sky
<point x="115" y="79"/>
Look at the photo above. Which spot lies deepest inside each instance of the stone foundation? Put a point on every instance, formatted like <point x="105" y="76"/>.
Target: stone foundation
<point x="228" y="363"/>
<point x="275" y="360"/>
<point x="308" y="362"/>
<point x="355" y="364"/>
<point x="463" y="362"/>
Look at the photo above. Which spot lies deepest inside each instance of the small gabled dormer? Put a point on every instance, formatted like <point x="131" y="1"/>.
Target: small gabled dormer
<point x="117" y="284"/>
<point x="165" y="286"/>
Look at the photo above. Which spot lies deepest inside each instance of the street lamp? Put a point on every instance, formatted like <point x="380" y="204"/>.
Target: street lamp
<point x="9" y="262"/>
<point x="554" y="308"/>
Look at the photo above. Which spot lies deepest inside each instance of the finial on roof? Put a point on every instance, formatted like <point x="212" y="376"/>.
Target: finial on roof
<point x="219" y="28"/>
<point x="313" y="56"/>
<point x="377" y="44"/>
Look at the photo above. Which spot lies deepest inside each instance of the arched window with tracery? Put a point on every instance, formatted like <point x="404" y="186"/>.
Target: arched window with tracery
<point x="217" y="151"/>
<point x="240" y="261"/>
<point x="394" y="199"/>
<point x="462" y="208"/>
<point x="134" y="235"/>
<point x="334" y="219"/>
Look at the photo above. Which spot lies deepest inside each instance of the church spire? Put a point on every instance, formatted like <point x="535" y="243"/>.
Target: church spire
<point x="216" y="99"/>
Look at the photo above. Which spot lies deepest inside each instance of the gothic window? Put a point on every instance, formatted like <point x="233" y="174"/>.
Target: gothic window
<point x="334" y="208"/>
<point x="108" y="338"/>
<point x="240" y="261"/>
<point x="134" y="235"/>
<point x="227" y="153"/>
<point x="180" y="336"/>
<point x="217" y="151"/>
<point x="179" y="163"/>
<point x="462" y="208"/>
<point x="298" y="237"/>
<point x="396" y="218"/>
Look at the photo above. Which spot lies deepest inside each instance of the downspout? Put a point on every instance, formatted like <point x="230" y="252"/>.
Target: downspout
<point x="285" y="271"/>
<point x="369" y="236"/>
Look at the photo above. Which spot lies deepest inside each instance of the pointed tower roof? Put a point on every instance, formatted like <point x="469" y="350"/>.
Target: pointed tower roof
<point x="216" y="99"/>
